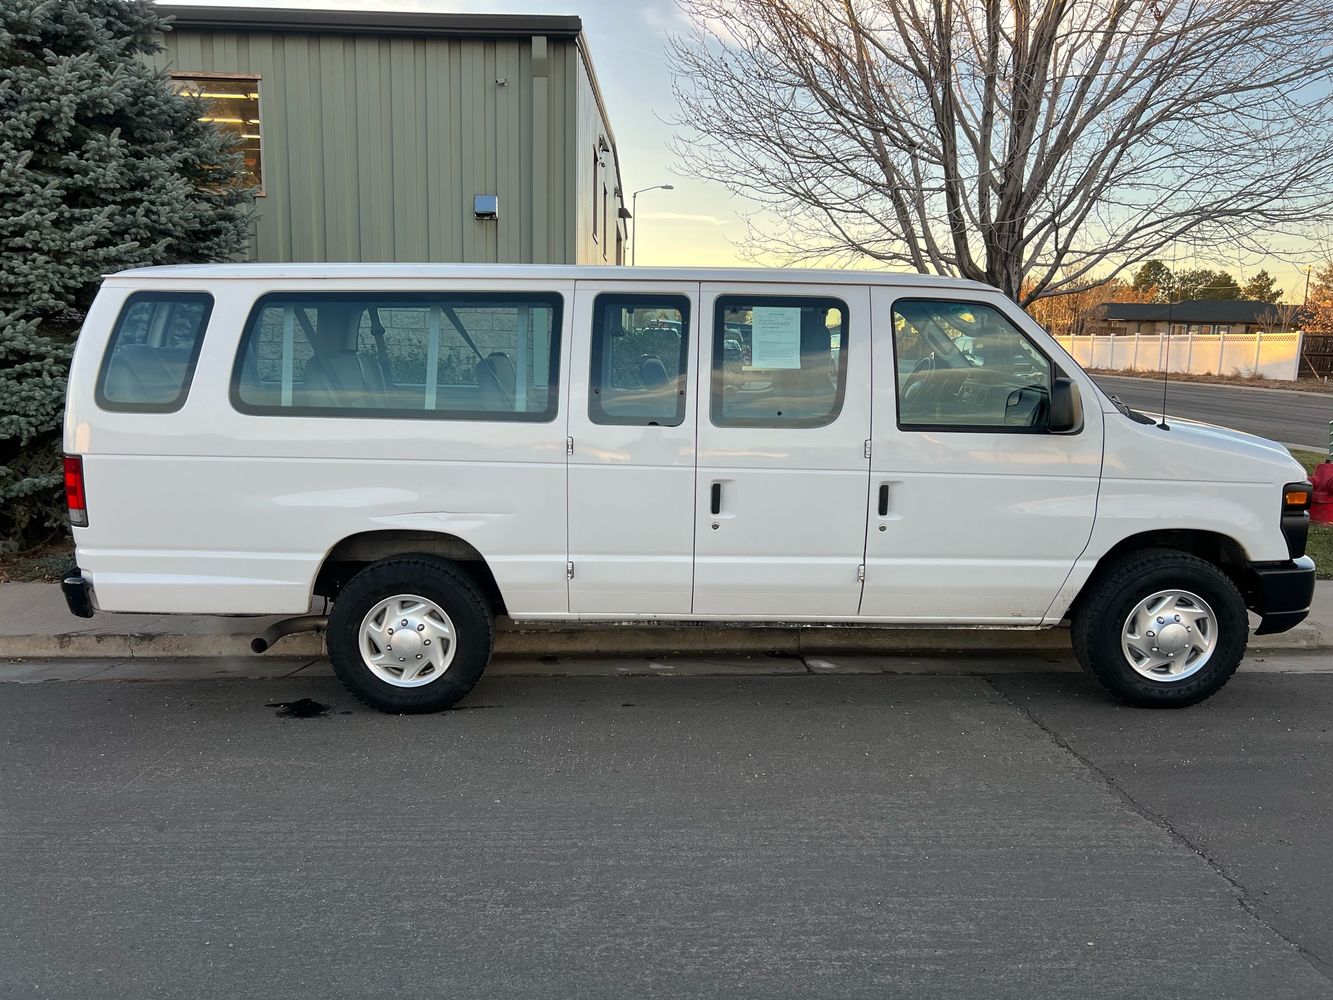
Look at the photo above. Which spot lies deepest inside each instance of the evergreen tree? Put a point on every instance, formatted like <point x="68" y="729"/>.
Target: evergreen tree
<point x="1262" y="288"/>
<point x="1154" y="278"/>
<point x="102" y="167"/>
<point x="1202" y="283"/>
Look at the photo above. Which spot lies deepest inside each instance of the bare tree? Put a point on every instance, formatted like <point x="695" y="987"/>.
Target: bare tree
<point x="1280" y="317"/>
<point x="1037" y="145"/>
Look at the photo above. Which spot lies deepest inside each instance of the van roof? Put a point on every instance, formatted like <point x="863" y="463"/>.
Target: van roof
<point x="563" y="272"/>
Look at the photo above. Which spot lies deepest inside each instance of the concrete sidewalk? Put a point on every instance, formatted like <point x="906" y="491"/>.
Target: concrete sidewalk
<point x="35" y="624"/>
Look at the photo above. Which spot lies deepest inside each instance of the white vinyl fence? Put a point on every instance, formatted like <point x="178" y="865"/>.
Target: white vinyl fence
<point x="1269" y="355"/>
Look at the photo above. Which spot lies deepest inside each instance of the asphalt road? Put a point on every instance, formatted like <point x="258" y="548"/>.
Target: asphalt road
<point x="782" y="836"/>
<point x="1298" y="418"/>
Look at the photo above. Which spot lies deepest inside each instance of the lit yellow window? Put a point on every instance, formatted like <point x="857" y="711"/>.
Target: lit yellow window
<point x="233" y="104"/>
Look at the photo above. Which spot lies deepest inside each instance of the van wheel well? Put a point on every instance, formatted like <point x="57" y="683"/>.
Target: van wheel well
<point x="355" y="552"/>
<point x="1223" y="552"/>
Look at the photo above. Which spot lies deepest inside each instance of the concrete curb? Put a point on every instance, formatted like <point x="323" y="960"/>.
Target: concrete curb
<point x="287" y="669"/>
<point x="601" y="641"/>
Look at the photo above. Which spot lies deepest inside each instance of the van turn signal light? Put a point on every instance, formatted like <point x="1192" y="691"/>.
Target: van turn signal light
<point x="1297" y="498"/>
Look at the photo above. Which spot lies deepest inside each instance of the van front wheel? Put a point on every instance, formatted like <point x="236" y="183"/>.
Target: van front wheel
<point x="1161" y="629"/>
<point x="410" y="634"/>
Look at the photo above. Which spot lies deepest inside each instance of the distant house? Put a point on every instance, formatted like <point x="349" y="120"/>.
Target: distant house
<point x="1226" y="316"/>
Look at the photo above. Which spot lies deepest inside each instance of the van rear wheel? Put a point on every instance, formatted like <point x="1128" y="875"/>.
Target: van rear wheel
<point x="410" y="634"/>
<point x="1161" y="629"/>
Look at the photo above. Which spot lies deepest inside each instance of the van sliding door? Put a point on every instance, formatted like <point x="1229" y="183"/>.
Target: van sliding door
<point x="780" y="500"/>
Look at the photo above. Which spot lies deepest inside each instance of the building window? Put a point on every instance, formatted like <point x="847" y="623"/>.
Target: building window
<point x="1224" y="329"/>
<point x="233" y="105"/>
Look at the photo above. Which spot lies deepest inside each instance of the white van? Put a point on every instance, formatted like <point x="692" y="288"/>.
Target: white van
<point x="430" y="446"/>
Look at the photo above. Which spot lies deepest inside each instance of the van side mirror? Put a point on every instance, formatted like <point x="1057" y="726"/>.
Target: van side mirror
<point x="1066" y="407"/>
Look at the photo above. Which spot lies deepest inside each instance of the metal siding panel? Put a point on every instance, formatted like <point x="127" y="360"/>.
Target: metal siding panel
<point x="539" y="160"/>
<point x="349" y="155"/>
<point x="513" y="152"/>
<point x="384" y="233"/>
<point x="304" y="145"/>
<point x="335" y="148"/>
<point x="224" y="50"/>
<point x="366" y="104"/>
<point x="498" y="151"/>
<point x="457" y="153"/>
<point x="491" y="183"/>
<point x="420" y="221"/>
<point x="473" y="137"/>
<point x="574" y="183"/>
<point x="275" y="224"/>
<point x="435" y="60"/>
<point x="189" y="53"/>
<point x="398" y="97"/>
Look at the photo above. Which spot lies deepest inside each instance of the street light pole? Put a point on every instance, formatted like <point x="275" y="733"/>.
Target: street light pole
<point x="634" y="213"/>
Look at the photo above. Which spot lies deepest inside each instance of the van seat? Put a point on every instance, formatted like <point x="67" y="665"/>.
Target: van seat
<point x="497" y="380"/>
<point x="342" y="378"/>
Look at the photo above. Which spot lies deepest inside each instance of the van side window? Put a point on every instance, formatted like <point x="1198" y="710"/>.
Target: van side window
<point x="460" y="356"/>
<point x="966" y="366"/>
<point x="640" y="350"/>
<point x="151" y="355"/>
<point x="778" y="361"/>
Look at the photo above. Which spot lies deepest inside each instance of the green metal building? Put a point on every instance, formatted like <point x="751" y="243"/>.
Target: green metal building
<point x="378" y="136"/>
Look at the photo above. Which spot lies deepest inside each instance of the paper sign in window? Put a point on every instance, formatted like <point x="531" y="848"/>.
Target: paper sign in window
<point x="775" y="337"/>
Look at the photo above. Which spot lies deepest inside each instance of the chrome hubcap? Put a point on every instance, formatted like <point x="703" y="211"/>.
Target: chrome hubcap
<point x="407" y="641"/>
<point x="1169" y="635"/>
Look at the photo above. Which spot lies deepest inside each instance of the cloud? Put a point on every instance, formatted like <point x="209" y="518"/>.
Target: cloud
<point x="687" y="217"/>
<point x="665" y="18"/>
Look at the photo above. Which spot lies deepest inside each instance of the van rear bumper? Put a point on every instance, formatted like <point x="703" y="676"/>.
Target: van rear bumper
<point x="78" y="594"/>
<point x="1283" y="592"/>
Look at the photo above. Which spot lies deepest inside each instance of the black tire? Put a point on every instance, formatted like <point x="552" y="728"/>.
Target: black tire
<point x="1108" y="601"/>
<point x="437" y="581"/>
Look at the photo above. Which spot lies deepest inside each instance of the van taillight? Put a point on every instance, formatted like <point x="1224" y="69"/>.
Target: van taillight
<point x="75" y="498"/>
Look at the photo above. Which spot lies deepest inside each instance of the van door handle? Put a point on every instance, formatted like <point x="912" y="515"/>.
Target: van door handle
<point x="883" y="499"/>
<point x="717" y="498"/>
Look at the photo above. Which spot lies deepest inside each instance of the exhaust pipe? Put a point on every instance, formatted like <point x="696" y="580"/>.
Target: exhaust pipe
<point x="288" y="626"/>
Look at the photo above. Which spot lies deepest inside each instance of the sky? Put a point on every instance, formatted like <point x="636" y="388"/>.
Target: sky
<point x="697" y="223"/>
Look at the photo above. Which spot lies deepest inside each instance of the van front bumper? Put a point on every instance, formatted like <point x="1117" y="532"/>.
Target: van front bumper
<point x="78" y="594"/>
<point x="1283" y="592"/>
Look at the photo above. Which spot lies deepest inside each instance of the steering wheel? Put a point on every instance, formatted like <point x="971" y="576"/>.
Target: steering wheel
<point x="914" y="389"/>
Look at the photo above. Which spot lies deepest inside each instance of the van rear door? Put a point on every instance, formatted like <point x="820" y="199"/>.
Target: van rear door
<point x="631" y="409"/>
